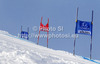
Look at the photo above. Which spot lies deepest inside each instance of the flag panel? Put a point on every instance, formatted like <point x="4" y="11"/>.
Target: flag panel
<point x="24" y="35"/>
<point x="83" y="27"/>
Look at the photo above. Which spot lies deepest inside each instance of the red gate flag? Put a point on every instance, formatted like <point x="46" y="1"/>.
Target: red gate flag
<point x="44" y="28"/>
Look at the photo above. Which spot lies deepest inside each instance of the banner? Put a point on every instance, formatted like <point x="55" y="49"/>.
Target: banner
<point x="44" y="27"/>
<point x="83" y="27"/>
<point x="24" y="35"/>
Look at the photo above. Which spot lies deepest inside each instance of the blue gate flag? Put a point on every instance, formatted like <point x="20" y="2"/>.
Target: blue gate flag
<point x="24" y="35"/>
<point x="83" y="27"/>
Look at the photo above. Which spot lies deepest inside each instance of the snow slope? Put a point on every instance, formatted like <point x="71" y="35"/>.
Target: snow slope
<point x="14" y="50"/>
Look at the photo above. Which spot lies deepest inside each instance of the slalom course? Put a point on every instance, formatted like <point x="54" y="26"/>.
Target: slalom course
<point x="14" y="50"/>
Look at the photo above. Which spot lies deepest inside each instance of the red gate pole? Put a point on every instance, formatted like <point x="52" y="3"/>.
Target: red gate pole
<point x="39" y="31"/>
<point x="48" y="33"/>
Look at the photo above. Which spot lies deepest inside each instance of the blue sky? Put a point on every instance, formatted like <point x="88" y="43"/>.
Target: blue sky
<point x="28" y="13"/>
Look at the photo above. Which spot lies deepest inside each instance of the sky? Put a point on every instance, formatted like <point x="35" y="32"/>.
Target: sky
<point x="61" y="13"/>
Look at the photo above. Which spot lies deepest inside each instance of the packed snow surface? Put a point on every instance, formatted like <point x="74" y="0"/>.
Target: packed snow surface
<point x="14" y="50"/>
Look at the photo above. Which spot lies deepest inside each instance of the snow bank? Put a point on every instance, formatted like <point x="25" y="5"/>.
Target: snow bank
<point x="17" y="51"/>
<point x="4" y="32"/>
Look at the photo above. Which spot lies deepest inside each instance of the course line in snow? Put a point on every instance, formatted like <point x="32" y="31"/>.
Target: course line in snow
<point x="90" y="60"/>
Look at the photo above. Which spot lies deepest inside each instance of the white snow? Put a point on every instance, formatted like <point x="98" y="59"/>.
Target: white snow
<point x="14" y="50"/>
